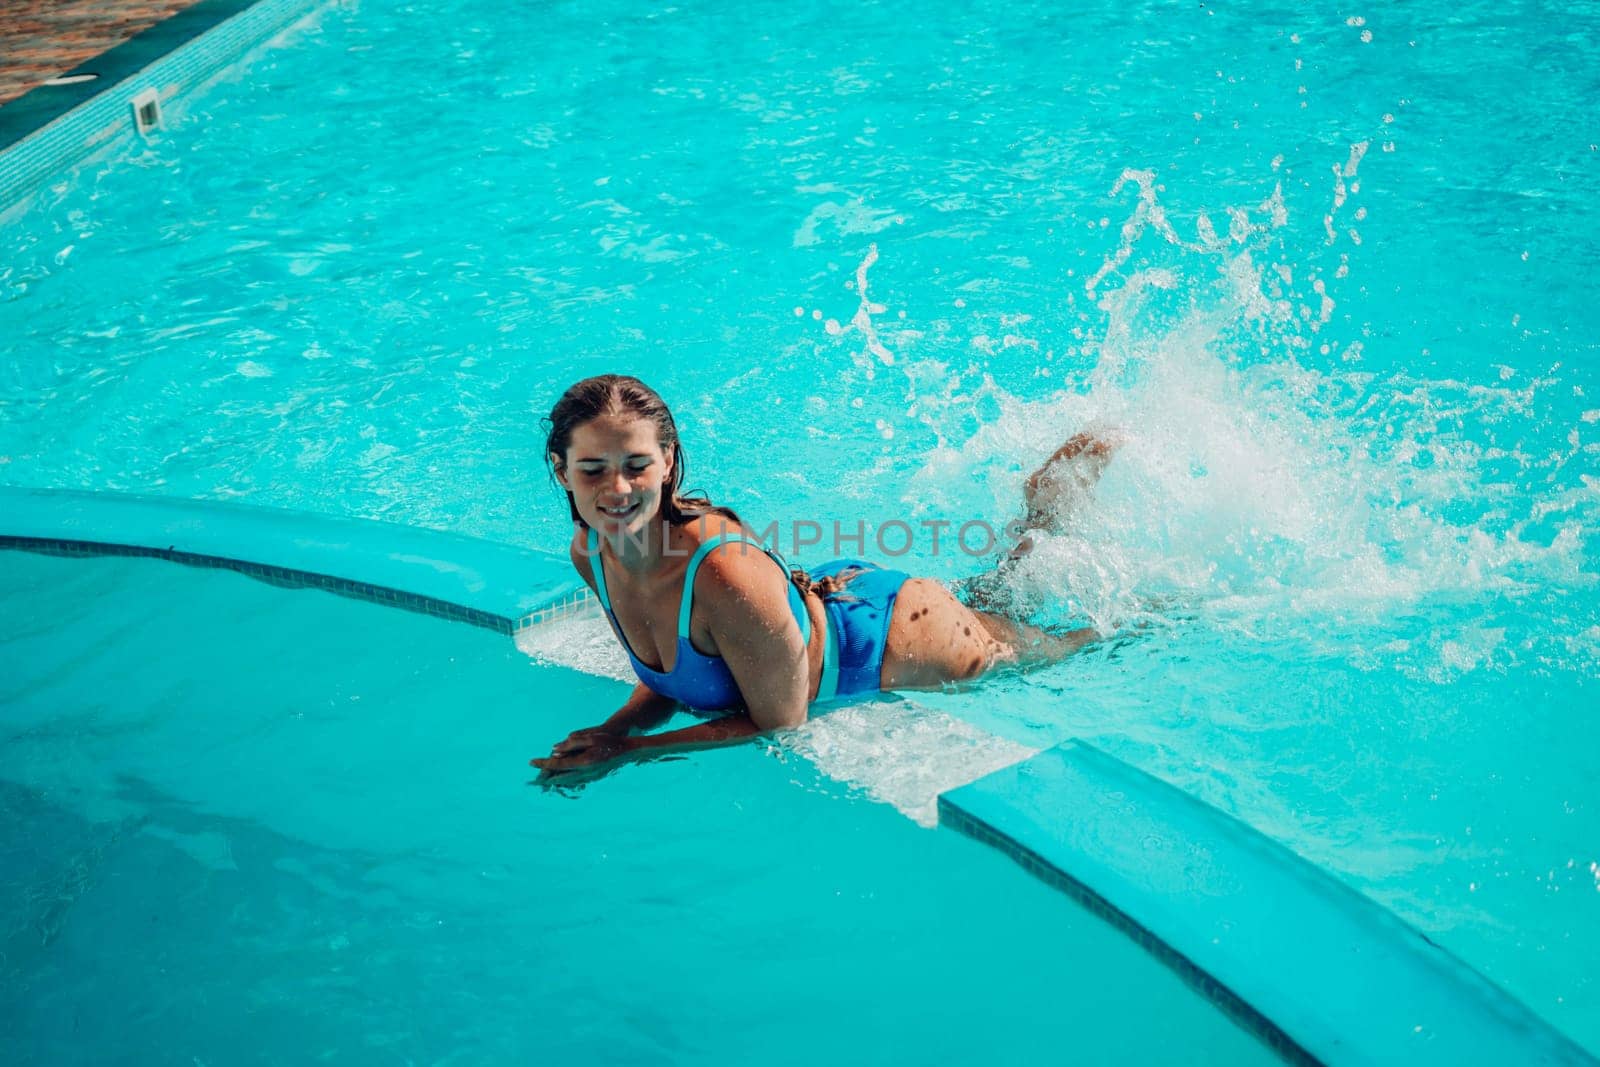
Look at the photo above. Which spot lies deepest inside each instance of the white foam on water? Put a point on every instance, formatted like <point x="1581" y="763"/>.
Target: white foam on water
<point x="901" y="753"/>
<point x="581" y="641"/>
<point x="894" y="751"/>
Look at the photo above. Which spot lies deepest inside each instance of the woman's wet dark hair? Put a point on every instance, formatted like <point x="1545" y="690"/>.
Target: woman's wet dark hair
<point x="621" y="394"/>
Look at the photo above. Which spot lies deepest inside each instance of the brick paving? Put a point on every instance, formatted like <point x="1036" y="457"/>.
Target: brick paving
<point x="40" y="39"/>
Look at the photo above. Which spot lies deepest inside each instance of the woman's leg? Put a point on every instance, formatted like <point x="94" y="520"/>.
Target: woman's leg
<point x="1031" y="645"/>
<point x="1062" y="482"/>
<point x="934" y="640"/>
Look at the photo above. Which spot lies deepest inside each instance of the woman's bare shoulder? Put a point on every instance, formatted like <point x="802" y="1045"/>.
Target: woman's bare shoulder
<point x="708" y="527"/>
<point x="736" y="567"/>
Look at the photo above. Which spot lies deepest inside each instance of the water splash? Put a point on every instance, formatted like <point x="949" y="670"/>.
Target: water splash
<point x="861" y="321"/>
<point x="1267" y="492"/>
<point x="1344" y="183"/>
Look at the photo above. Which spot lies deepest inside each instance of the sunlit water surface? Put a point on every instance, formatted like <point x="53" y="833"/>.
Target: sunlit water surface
<point x="1324" y="271"/>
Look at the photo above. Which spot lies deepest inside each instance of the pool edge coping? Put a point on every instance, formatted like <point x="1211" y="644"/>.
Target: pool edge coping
<point x="1218" y="994"/>
<point x="489" y="584"/>
<point x="1110" y="789"/>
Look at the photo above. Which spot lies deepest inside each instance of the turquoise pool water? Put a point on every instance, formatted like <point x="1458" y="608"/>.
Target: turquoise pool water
<point x="207" y="856"/>
<point x="1325" y="269"/>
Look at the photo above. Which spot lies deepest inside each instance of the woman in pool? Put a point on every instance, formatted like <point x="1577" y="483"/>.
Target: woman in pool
<point x="711" y="619"/>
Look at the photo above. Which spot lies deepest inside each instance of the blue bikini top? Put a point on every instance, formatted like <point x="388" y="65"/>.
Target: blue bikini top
<point x="696" y="679"/>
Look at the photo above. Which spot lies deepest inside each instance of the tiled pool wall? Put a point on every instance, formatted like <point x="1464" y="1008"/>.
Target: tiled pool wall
<point x="54" y="128"/>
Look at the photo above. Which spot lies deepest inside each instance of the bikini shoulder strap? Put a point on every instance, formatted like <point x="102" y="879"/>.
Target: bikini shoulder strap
<point x="598" y="566"/>
<point x="706" y="547"/>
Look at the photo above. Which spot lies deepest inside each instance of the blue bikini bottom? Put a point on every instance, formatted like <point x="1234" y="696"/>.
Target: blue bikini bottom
<point x="858" y="627"/>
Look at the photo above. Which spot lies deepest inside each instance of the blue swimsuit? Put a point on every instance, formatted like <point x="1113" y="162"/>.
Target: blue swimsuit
<point x="852" y="658"/>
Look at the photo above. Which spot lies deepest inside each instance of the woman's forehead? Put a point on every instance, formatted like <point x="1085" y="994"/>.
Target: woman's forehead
<point x="615" y="433"/>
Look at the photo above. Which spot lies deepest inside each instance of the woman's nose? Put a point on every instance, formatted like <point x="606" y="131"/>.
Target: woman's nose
<point x="620" y="485"/>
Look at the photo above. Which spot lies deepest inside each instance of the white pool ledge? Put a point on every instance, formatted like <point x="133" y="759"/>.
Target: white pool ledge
<point x="487" y="583"/>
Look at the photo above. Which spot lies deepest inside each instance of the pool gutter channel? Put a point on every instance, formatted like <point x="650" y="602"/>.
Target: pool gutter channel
<point x="53" y="128"/>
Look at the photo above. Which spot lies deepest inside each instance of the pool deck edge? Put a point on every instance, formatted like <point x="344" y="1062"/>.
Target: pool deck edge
<point x="484" y="583"/>
<point x="53" y="128"/>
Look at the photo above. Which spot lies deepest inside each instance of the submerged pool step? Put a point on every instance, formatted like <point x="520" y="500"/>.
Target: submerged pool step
<point x="466" y="579"/>
<point x="1316" y="969"/>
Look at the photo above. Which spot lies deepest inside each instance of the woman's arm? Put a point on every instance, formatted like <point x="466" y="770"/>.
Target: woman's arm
<point x="644" y="709"/>
<point x="601" y="749"/>
<point x="746" y="600"/>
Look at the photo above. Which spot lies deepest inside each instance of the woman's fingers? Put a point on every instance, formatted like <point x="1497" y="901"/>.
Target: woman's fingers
<point x="577" y="741"/>
<point x="563" y="754"/>
<point x="557" y="762"/>
<point x="578" y="749"/>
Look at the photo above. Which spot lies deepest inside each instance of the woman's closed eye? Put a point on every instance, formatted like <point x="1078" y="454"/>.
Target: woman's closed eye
<point x="638" y="466"/>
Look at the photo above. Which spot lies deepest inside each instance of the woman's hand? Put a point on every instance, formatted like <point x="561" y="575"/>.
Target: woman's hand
<point x="596" y="746"/>
<point x="590" y="747"/>
<point x="578" y="740"/>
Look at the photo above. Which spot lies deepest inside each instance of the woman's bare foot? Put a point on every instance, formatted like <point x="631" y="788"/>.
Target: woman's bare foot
<point x="1066" y="477"/>
<point x="1062" y="482"/>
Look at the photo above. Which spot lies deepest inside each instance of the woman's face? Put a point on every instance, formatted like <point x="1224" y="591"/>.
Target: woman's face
<point x="615" y="470"/>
